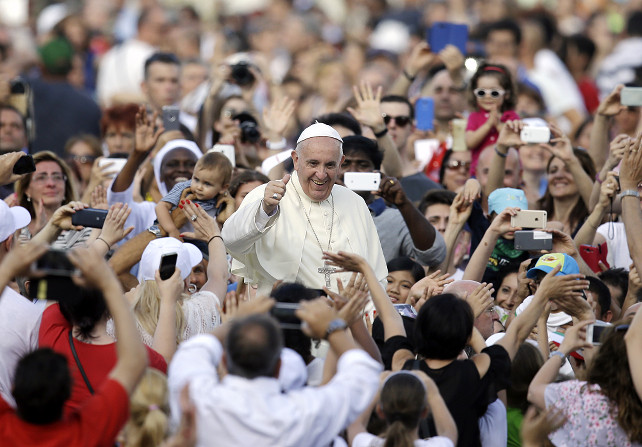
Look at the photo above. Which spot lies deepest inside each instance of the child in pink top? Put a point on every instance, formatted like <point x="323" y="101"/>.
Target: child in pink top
<point x="491" y="93"/>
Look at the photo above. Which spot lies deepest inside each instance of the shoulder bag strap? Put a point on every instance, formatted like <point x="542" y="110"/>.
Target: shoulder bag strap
<point x="80" y="368"/>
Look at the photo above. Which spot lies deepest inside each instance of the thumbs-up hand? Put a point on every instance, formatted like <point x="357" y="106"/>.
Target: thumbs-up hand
<point x="274" y="192"/>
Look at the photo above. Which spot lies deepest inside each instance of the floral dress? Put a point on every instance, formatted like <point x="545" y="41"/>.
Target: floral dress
<point x="591" y="418"/>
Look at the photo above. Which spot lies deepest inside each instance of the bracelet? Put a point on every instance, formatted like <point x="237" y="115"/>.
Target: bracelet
<point x="630" y="193"/>
<point x="501" y="154"/>
<point x="410" y="78"/>
<point x="557" y="354"/>
<point x="214" y="237"/>
<point x="276" y="146"/>
<point x="381" y="133"/>
<point x="597" y="178"/>
<point x="106" y="243"/>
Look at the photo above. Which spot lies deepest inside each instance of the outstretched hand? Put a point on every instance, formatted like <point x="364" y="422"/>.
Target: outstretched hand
<point x="347" y="262"/>
<point x="146" y="136"/>
<point x="368" y="111"/>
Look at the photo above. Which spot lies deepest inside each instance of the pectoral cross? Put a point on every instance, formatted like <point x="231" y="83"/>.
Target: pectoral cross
<point x="327" y="270"/>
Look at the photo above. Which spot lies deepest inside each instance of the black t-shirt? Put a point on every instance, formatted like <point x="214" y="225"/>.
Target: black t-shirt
<point x="466" y="394"/>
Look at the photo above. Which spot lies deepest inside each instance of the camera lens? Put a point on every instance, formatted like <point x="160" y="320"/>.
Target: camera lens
<point x="249" y="132"/>
<point x="241" y="74"/>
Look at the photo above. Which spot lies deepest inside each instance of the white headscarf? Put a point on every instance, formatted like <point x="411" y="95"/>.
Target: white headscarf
<point x="169" y="147"/>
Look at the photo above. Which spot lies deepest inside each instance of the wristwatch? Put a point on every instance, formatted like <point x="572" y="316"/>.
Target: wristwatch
<point x="155" y="230"/>
<point x="335" y="325"/>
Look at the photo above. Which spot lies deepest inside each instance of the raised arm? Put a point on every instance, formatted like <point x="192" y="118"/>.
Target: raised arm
<point x="60" y="220"/>
<point x="165" y="336"/>
<point x="608" y="108"/>
<point x="508" y="138"/>
<point x="419" y="59"/>
<point x="460" y="211"/>
<point x="630" y="177"/>
<point x="587" y="231"/>
<point x="207" y="230"/>
<point x="132" y="356"/>
<point x="113" y="229"/>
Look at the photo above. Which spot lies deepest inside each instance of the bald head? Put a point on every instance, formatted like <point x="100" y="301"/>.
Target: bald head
<point x="512" y="170"/>
<point x="461" y="288"/>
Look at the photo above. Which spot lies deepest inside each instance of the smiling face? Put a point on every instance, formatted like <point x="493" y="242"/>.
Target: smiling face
<point x="47" y="183"/>
<point x="399" y="284"/>
<point x="178" y="166"/>
<point x="507" y="292"/>
<point x="487" y="102"/>
<point x="560" y="180"/>
<point x="317" y="162"/>
<point x="455" y="176"/>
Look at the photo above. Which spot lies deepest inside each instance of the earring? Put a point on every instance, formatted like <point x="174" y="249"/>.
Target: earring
<point x="28" y="199"/>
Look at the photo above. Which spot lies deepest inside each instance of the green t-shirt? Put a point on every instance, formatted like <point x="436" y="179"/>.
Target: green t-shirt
<point x="514" y="418"/>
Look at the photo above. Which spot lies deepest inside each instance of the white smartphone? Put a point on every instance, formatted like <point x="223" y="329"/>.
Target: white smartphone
<point x="115" y="165"/>
<point x="594" y="332"/>
<point x="535" y="134"/>
<point x="529" y="219"/>
<point x="362" y="181"/>
<point x="227" y="150"/>
<point x="631" y="96"/>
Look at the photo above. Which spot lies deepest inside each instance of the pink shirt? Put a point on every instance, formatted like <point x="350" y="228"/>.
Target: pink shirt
<point x="475" y="121"/>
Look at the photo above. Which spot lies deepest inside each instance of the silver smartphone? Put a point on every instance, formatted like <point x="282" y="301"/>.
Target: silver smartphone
<point x="529" y="219"/>
<point x="631" y="96"/>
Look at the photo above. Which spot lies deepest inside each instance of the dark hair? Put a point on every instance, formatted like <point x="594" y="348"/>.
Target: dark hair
<point x="15" y="110"/>
<point x="119" y="115"/>
<point x="528" y="360"/>
<point x="610" y="370"/>
<point x="634" y="24"/>
<point x="399" y="98"/>
<point x="253" y="347"/>
<point x="583" y="44"/>
<point x="293" y="338"/>
<point x="218" y="162"/>
<point x="443" y="327"/>
<point x="505" y="25"/>
<point x="442" y="168"/>
<point x="340" y="119"/>
<point x="436" y="196"/>
<point x="84" y="310"/>
<point x="601" y="293"/>
<point x="581" y="127"/>
<point x="403" y="400"/>
<point x="41" y="386"/>
<point x="404" y="263"/>
<point x="163" y="58"/>
<point x="504" y="78"/>
<point x="617" y="277"/>
<point x="244" y="177"/>
<point x="368" y="147"/>
<point x="533" y="94"/>
<point x="508" y="269"/>
<point x="579" y="211"/>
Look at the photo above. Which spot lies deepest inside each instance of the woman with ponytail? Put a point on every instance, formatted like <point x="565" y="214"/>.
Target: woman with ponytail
<point x="404" y="399"/>
<point x="149" y="412"/>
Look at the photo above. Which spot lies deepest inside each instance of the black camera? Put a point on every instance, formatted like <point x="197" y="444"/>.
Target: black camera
<point x="250" y="132"/>
<point x="241" y="74"/>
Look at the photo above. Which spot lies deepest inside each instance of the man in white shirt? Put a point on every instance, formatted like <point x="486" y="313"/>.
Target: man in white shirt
<point x="19" y="318"/>
<point x="247" y="407"/>
<point x="282" y="228"/>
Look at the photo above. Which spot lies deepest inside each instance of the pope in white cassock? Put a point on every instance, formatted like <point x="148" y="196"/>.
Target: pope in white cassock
<point x="282" y="228"/>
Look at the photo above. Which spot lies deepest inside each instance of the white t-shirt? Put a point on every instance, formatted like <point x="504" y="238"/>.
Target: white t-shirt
<point x="370" y="440"/>
<point x="618" y="255"/>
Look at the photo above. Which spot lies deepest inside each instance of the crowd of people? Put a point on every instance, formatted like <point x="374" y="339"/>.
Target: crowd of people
<point x="299" y="224"/>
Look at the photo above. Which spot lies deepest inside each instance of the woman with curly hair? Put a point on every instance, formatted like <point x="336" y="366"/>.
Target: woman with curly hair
<point x="603" y="410"/>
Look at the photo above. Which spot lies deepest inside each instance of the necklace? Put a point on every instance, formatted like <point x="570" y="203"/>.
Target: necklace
<point x="326" y="270"/>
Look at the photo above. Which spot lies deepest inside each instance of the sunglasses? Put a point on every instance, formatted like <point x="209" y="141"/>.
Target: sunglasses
<point x="456" y="164"/>
<point x="493" y="93"/>
<point x="402" y="121"/>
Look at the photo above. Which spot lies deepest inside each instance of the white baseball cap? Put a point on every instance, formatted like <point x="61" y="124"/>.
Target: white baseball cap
<point x="188" y="257"/>
<point x="12" y="219"/>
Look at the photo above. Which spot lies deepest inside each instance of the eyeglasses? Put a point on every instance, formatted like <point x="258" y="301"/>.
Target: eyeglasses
<point x="482" y="92"/>
<point x="401" y="121"/>
<point x="83" y="159"/>
<point x="456" y="164"/>
<point x="55" y="177"/>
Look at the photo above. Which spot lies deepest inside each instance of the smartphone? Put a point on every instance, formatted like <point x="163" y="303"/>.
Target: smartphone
<point x="285" y="313"/>
<point x="593" y="255"/>
<point x="24" y="165"/>
<point x="529" y="219"/>
<point x="459" y="135"/>
<point x="362" y="181"/>
<point x="631" y="96"/>
<point x="535" y="134"/>
<point x="167" y="265"/>
<point x="53" y="263"/>
<point x="528" y="240"/>
<point x="115" y="164"/>
<point x="170" y="118"/>
<point x="425" y="113"/>
<point x="594" y="332"/>
<point x="445" y="33"/>
<point x="406" y="310"/>
<point x="89" y="217"/>
<point x="227" y="150"/>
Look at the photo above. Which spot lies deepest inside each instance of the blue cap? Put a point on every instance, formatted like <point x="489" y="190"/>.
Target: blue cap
<point x="548" y="262"/>
<point x="502" y="198"/>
